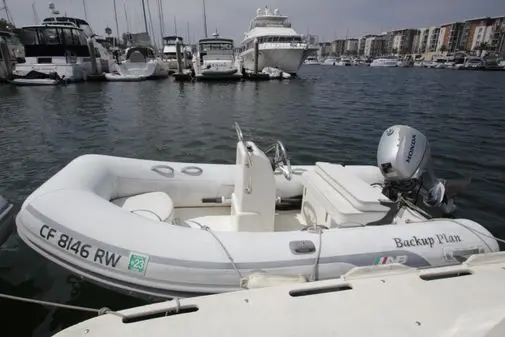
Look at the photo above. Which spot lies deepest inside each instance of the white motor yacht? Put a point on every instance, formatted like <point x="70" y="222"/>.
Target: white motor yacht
<point x="54" y="54"/>
<point x="330" y="61"/>
<point x="215" y="60"/>
<point x="384" y="62"/>
<point x="104" y="58"/>
<point x="344" y="61"/>
<point x="170" y="53"/>
<point x="279" y="45"/>
<point x="311" y="60"/>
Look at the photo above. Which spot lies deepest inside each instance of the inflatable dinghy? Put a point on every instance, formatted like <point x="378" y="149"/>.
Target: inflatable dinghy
<point x="6" y="219"/>
<point x="117" y="77"/>
<point x="166" y="229"/>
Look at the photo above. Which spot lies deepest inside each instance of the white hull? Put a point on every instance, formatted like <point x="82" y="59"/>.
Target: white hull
<point x="216" y="70"/>
<point x="382" y="301"/>
<point x="148" y="70"/>
<point x="124" y="78"/>
<point x="35" y="81"/>
<point x="288" y="60"/>
<point x="138" y="225"/>
<point x="67" y="73"/>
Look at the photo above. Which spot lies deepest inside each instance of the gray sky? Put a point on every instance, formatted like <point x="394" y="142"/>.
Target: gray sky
<point x="329" y="19"/>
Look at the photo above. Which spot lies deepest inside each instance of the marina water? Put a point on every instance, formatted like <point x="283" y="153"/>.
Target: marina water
<point x="334" y="114"/>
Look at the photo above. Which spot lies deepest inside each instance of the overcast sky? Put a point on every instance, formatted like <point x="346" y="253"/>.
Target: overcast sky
<point x="329" y="19"/>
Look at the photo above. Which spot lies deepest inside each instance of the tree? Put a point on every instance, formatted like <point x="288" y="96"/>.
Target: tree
<point x="6" y="25"/>
<point x="484" y="46"/>
<point x="443" y="48"/>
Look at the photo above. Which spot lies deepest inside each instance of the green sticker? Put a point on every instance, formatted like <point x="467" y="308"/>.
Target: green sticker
<point x="138" y="262"/>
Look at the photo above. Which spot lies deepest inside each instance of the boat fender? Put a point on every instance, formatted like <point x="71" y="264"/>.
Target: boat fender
<point x="262" y="280"/>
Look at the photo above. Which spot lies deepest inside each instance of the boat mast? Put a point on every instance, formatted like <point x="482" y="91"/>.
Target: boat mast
<point x="187" y="33"/>
<point x="145" y="17"/>
<point x="8" y="15"/>
<point x="115" y="19"/>
<point x="175" y="26"/>
<point x="35" y="15"/>
<point x="204" y="20"/>
<point x="161" y="19"/>
<point x="126" y="17"/>
<point x="85" y="9"/>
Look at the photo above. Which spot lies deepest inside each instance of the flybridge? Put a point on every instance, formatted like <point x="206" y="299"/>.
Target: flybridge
<point x="265" y="18"/>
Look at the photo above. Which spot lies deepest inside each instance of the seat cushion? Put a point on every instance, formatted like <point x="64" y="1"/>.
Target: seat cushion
<point x="153" y="205"/>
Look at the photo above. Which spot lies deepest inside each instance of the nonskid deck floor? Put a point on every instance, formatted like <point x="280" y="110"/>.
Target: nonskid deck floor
<point x="285" y="221"/>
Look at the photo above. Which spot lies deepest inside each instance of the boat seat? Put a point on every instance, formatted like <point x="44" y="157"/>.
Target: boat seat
<point x="355" y="190"/>
<point x="156" y="206"/>
<point x="218" y="223"/>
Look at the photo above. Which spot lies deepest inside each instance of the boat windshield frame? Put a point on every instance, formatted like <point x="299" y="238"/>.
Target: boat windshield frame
<point x="79" y="23"/>
<point x="147" y="52"/>
<point x="216" y="45"/>
<point x="171" y="40"/>
<point x="11" y="38"/>
<point x="54" y="40"/>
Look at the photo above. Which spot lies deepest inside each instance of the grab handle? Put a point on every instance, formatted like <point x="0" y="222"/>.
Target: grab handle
<point x="164" y="170"/>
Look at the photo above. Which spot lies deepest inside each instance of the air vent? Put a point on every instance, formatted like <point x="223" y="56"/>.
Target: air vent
<point x="159" y="314"/>
<point x="444" y="275"/>
<point x="316" y="291"/>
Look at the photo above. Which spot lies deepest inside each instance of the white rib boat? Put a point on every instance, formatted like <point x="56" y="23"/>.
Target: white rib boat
<point x="166" y="228"/>
<point x="383" y="301"/>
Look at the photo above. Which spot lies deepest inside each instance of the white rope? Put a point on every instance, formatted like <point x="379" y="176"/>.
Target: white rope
<point x="100" y="311"/>
<point x="314" y="275"/>
<point x="208" y="229"/>
<point x="320" y="230"/>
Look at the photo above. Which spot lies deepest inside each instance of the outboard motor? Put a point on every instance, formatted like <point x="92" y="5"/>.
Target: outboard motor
<point x="404" y="159"/>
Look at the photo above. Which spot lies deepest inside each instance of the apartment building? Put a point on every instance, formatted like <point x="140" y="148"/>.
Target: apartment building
<point x="324" y="49"/>
<point x="337" y="47"/>
<point x="351" y="47"/>
<point x="361" y="44"/>
<point x="432" y="41"/>
<point x="401" y="41"/>
<point x="423" y="40"/>
<point x="375" y="46"/>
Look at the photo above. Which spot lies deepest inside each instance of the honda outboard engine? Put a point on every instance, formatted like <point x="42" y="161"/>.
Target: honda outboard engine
<point x="403" y="157"/>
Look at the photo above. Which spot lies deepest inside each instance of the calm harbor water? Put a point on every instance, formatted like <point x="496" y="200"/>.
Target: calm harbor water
<point x="329" y="113"/>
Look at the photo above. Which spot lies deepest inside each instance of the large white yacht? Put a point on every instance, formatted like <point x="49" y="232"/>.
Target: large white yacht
<point x="215" y="60"/>
<point x="170" y="53"/>
<point x="279" y="45"/>
<point x="54" y="54"/>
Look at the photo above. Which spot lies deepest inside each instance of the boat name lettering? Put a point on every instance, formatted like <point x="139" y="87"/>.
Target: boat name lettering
<point x="440" y="239"/>
<point x="84" y="250"/>
<point x="412" y="148"/>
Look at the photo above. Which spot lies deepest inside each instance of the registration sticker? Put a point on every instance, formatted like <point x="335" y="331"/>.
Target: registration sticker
<point x="138" y="262"/>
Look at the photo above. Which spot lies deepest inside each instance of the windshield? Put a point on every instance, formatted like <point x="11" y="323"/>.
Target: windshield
<point x="216" y="46"/>
<point x="52" y="36"/>
<point x="10" y="39"/>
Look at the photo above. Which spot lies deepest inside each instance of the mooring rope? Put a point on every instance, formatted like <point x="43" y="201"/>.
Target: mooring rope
<point x="99" y="312"/>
